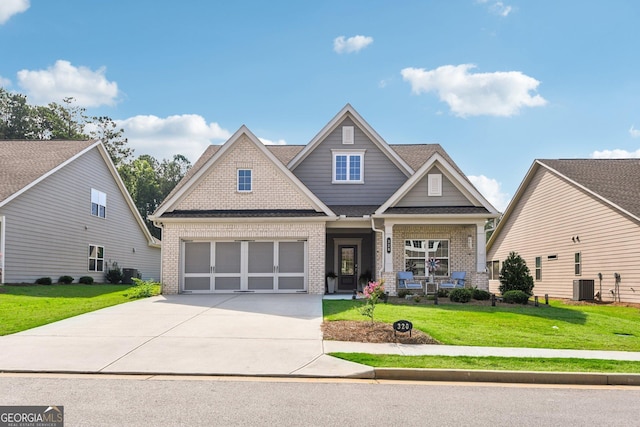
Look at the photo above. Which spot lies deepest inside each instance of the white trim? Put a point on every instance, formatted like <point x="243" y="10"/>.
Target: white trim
<point x="250" y="180"/>
<point x="349" y="154"/>
<point x="349" y="112"/>
<point x="89" y="258"/>
<point x="449" y="171"/>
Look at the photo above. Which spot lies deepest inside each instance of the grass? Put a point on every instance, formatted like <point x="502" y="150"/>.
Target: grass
<point x="559" y="325"/>
<point x="493" y="363"/>
<point x="28" y="306"/>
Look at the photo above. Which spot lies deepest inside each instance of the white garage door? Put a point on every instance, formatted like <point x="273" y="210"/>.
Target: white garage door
<point x="244" y="266"/>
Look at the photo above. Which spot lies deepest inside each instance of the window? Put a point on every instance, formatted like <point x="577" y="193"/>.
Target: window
<point x="244" y="180"/>
<point x="96" y="258"/>
<point x="347" y="134"/>
<point x="417" y="254"/>
<point x="348" y="167"/>
<point x="435" y="184"/>
<point x="98" y="203"/>
<point x="538" y="268"/>
<point x="493" y="268"/>
<point x="577" y="263"/>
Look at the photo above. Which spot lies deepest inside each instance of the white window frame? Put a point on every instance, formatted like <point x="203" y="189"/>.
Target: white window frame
<point x="99" y="199"/>
<point x="424" y="245"/>
<point x="577" y="263"/>
<point x="538" y="266"/>
<point x="95" y="258"/>
<point x="250" y="180"/>
<point x="434" y="184"/>
<point x="348" y="135"/>
<point x="348" y="154"/>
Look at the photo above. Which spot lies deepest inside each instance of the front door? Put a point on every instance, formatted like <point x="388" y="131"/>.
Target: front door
<point x="348" y="272"/>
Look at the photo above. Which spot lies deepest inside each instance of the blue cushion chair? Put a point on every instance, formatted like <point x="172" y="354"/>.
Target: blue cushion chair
<point x="457" y="280"/>
<point x="407" y="281"/>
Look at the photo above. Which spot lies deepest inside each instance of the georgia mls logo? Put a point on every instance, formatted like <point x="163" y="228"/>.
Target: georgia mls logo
<point x="31" y="416"/>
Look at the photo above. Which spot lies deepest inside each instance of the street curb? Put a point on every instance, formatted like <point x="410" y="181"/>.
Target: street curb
<point x="525" y="377"/>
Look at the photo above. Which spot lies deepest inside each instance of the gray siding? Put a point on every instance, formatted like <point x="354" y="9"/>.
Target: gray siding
<point x="381" y="177"/>
<point x="548" y="214"/>
<point x="417" y="196"/>
<point x="49" y="228"/>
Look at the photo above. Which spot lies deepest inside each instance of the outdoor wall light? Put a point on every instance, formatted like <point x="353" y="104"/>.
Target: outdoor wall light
<point x="576" y="239"/>
<point x="470" y="242"/>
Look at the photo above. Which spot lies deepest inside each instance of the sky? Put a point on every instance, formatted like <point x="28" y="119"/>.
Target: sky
<point x="497" y="83"/>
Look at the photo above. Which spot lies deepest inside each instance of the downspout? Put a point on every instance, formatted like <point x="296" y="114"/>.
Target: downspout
<point x="373" y="227"/>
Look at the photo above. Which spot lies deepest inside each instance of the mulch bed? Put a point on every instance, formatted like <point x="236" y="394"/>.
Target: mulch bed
<point x="377" y="332"/>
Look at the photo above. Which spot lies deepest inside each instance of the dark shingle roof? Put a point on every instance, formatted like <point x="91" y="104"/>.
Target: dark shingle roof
<point x="354" y="210"/>
<point x="616" y="180"/>
<point x="438" y="210"/>
<point x="22" y="162"/>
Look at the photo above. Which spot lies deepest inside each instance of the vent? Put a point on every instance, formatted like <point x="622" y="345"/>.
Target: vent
<point x="583" y="290"/>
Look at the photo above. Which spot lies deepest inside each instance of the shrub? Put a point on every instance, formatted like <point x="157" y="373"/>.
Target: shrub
<point x="44" y="281"/>
<point x="481" y="294"/>
<point x="65" y="279"/>
<point x="86" y="280"/>
<point x="443" y="293"/>
<point x="515" y="297"/>
<point x="402" y="293"/>
<point x="114" y="274"/>
<point x="460" y="295"/>
<point x="144" y="289"/>
<point x="417" y="298"/>
<point x="514" y="275"/>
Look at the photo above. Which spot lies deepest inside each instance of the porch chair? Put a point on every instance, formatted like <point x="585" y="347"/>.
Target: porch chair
<point x="457" y="280"/>
<point x="406" y="281"/>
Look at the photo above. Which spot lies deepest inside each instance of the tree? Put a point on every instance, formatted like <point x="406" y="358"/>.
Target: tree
<point x="105" y="129"/>
<point x="171" y="172"/>
<point x="140" y="178"/>
<point x="66" y="121"/>
<point x="515" y="276"/>
<point x="18" y="120"/>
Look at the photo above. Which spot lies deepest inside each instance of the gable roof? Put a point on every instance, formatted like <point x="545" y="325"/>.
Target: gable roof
<point x="25" y="163"/>
<point x="454" y="174"/>
<point x="211" y="156"/>
<point x="615" y="182"/>
<point x="349" y="112"/>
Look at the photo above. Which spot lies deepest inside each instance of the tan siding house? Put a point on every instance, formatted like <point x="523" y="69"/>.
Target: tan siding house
<point x="65" y="211"/>
<point x="254" y="218"/>
<point x="573" y="220"/>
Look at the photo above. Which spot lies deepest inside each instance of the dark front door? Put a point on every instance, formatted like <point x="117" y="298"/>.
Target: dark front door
<point x="348" y="272"/>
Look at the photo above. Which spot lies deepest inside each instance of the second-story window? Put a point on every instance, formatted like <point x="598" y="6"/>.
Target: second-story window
<point x="98" y="203"/>
<point x="244" y="180"/>
<point x="348" y="167"/>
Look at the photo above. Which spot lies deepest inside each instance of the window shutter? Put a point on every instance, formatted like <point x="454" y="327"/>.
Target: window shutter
<point x="347" y="134"/>
<point x="435" y="184"/>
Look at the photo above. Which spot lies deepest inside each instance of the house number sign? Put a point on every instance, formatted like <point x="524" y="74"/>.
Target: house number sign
<point x="402" y="326"/>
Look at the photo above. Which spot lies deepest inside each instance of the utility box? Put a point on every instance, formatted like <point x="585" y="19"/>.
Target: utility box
<point x="583" y="290"/>
<point x="128" y="274"/>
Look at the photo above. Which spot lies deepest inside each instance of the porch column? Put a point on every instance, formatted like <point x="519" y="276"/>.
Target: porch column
<point x="388" y="247"/>
<point x="481" y="243"/>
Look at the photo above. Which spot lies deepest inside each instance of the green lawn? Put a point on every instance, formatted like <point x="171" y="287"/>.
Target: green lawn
<point x="592" y="327"/>
<point x="25" y="307"/>
<point x="493" y="363"/>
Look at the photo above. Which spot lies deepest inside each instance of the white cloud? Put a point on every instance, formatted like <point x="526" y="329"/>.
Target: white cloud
<point x="491" y="190"/>
<point x="4" y="82"/>
<point x="497" y="7"/>
<point x="352" y="44"/>
<point x="269" y="142"/>
<point x="635" y="133"/>
<point x="501" y="93"/>
<point x="8" y="8"/>
<point x="186" y="134"/>
<point x="615" y="154"/>
<point x="89" y="88"/>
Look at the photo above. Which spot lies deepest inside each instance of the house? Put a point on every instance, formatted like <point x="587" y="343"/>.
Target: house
<point x="254" y="218"/>
<point x="572" y="220"/>
<point x="65" y="211"/>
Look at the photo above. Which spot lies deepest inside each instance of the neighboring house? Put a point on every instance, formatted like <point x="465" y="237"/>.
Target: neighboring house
<point x="65" y="211"/>
<point x="254" y="218"/>
<point x="573" y="219"/>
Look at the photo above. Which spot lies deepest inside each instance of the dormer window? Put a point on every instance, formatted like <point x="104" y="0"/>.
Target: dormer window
<point x="434" y="184"/>
<point x="347" y="134"/>
<point x="348" y="167"/>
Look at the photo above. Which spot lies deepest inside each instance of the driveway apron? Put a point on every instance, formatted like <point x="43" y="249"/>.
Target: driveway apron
<point x="247" y="334"/>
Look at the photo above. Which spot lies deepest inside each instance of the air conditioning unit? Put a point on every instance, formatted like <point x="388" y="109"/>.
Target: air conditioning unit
<point x="583" y="290"/>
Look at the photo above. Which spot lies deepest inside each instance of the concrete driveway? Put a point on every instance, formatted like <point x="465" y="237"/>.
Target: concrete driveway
<point x="247" y="334"/>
